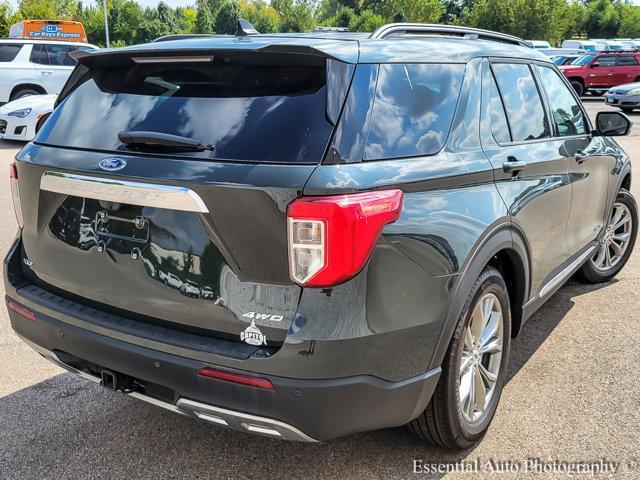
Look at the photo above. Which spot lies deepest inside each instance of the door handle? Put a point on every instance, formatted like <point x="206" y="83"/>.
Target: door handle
<point x="581" y="156"/>
<point x="513" y="165"/>
<point x="47" y="72"/>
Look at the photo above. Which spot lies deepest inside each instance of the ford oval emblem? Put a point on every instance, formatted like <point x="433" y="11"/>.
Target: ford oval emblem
<point x="112" y="164"/>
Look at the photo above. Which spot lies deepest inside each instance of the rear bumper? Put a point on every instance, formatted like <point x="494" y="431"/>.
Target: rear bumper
<point x="296" y="409"/>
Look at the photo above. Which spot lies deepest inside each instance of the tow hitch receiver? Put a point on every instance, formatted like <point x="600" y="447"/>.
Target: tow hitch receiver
<point x="116" y="381"/>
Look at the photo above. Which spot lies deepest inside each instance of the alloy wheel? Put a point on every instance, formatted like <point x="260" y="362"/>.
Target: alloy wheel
<point x="615" y="241"/>
<point x="481" y="358"/>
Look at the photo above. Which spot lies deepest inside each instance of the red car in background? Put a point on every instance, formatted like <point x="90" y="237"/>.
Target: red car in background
<point x="597" y="72"/>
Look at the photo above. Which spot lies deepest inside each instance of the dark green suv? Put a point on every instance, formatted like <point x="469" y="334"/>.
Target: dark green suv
<point x="305" y="236"/>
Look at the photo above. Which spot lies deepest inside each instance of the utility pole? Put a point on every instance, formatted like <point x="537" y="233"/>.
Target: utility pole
<point x="106" y="22"/>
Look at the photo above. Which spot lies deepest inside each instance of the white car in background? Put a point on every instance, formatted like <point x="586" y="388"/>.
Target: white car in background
<point x="539" y="44"/>
<point x="31" y="67"/>
<point x="21" y="119"/>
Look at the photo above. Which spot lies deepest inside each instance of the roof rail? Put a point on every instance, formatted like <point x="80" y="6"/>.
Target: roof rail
<point x="453" y="30"/>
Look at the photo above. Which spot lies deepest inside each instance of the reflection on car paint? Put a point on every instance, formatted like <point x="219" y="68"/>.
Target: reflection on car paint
<point x="192" y="266"/>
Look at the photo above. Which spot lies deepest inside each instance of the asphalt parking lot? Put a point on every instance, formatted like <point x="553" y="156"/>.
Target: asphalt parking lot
<point x="573" y="395"/>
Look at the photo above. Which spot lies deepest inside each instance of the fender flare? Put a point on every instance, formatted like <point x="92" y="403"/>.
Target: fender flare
<point x="503" y="236"/>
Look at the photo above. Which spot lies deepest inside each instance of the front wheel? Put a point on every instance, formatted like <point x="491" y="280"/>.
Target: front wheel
<point x="617" y="242"/>
<point x="578" y="87"/>
<point x="473" y="370"/>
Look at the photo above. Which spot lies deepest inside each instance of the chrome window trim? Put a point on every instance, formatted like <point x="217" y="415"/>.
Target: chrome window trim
<point x="123" y="191"/>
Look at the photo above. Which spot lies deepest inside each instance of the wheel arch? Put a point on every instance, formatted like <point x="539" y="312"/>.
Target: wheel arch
<point x="505" y="248"/>
<point x="22" y="86"/>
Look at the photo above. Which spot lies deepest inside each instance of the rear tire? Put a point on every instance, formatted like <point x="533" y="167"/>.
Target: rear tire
<point x="449" y="420"/>
<point x="618" y="242"/>
<point x="23" y="92"/>
<point x="578" y="87"/>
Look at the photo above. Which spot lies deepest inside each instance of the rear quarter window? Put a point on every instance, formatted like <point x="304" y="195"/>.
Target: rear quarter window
<point x="413" y="109"/>
<point x="8" y="52"/>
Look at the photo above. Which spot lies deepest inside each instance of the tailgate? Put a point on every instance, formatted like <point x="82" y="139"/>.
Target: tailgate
<point x="204" y="256"/>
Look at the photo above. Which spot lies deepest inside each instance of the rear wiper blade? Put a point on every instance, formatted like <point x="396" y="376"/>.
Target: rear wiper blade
<point x="156" y="140"/>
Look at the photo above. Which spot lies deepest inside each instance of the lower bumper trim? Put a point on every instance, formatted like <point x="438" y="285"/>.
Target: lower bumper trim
<point x="216" y="415"/>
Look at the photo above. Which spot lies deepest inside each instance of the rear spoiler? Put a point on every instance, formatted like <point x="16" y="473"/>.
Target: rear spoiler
<point x="346" y="52"/>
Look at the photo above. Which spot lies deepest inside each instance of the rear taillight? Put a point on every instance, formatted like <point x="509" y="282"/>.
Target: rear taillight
<point x="331" y="238"/>
<point x="15" y="194"/>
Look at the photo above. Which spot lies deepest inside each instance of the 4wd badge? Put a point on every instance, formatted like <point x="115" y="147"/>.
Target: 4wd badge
<point x="253" y="336"/>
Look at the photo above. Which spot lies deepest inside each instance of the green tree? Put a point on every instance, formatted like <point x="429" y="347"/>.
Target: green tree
<point x="602" y="19"/>
<point x="343" y="17"/>
<point x="204" y="19"/>
<point x="227" y="18"/>
<point x="296" y="17"/>
<point x="186" y="20"/>
<point x="629" y="21"/>
<point x="367" y="21"/>
<point x="262" y="16"/>
<point x="126" y="20"/>
<point x="327" y="9"/>
<point x="399" y="17"/>
<point x="6" y="14"/>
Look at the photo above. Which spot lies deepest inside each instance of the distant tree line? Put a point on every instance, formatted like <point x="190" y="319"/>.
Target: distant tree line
<point x="129" y="23"/>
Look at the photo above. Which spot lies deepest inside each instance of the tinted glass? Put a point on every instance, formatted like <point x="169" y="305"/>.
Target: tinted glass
<point x="247" y="111"/>
<point x="499" y="126"/>
<point x="590" y="48"/>
<point x="606" y="61"/>
<point x="413" y="109"/>
<point x="567" y="114"/>
<point x="522" y="101"/>
<point x="39" y="55"/>
<point x="59" y="55"/>
<point x="624" y="60"/>
<point x="8" y="52"/>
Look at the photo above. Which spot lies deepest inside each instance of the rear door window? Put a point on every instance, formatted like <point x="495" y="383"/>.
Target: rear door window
<point x="626" y="61"/>
<point x="249" y="108"/>
<point x="8" y="52"/>
<point x="413" y="109"/>
<point x="39" y="54"/>
<point x="522" y="101"/>
<point x="605" y="61"/>
<point x="59" y="55"/>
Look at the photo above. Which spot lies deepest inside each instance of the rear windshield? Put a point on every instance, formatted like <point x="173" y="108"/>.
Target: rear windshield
<point x="251" y="112"/>
<point x="9" y="51"/>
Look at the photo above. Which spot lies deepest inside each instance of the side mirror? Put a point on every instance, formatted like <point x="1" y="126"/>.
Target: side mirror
<point x="612" y="124"/>
<point x="595" y="64"/>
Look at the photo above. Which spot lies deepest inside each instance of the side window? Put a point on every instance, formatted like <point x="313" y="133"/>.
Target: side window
<point x="9" y="51"/>
<point x="59" y="55"/>
<point x="522" y="102"/>
<point x="39" y="55"/>
<point x="626" y="60"/>
<point x="413" y="109"/>
<point x="567" y="114"/>
<point x="605" y="61"/>
<point x="499" y="125"/>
